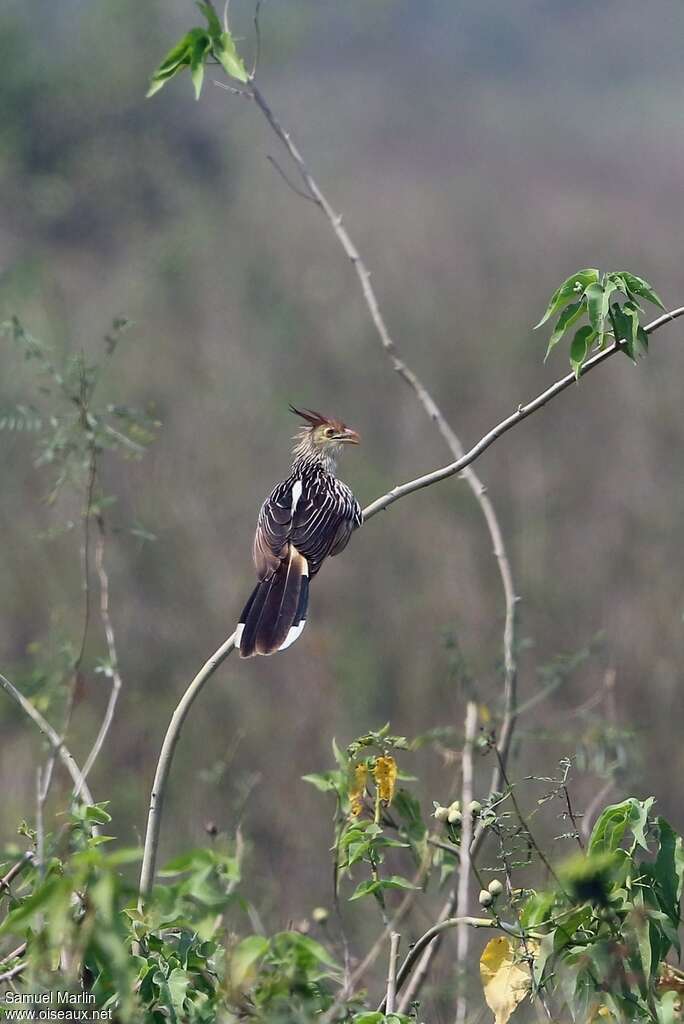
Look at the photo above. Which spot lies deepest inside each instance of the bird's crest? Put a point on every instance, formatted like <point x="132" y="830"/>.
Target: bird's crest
<point x="314" y="419"/>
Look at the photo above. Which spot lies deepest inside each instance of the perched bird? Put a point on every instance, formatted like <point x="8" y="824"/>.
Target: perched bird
<point x="306" y="518"/>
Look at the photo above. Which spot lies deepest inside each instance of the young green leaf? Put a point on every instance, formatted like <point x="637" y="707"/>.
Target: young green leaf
<point x="572" y="288"/>
<point x="565" y="320"/>
<point x="199" y="49"/>
<point x="638" y="286"/>
<point x="226" y="53"/>
<point x="213" y="23"/>
<point x="579" y="349"/>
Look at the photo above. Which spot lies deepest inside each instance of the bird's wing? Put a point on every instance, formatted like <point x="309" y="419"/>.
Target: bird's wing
<point x="274" y="525"/>
<point x="324" y="520"/>
<point x="315" y="514"/>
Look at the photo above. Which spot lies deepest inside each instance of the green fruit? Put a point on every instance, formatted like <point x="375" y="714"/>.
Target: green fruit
<point x="441" y="813"/>
<point x="495" y="887"/>
<point x="485" y="899"/>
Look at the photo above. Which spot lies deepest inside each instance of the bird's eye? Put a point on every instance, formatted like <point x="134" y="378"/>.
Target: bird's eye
<point x="329" y="432"/>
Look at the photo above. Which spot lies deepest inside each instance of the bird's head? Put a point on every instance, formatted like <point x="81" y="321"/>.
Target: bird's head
<point x="322" y="435"/>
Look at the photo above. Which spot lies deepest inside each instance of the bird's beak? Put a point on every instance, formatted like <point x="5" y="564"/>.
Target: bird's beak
<point x="348" y="436"/>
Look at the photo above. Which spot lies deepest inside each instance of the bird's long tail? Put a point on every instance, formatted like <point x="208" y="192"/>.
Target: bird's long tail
<point x="275" y="614"/>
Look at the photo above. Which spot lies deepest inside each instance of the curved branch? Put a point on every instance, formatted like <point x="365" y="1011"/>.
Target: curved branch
<point x="219" y="656"/>
<point x="432" y="933"/>
<point x="521" y="413"/>
<point x="50" y="734"/>
<point x="164" y="764"/>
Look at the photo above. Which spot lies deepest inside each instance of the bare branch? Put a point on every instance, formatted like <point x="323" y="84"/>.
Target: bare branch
<point x="290" y="184"/>
<point x="111" y="648"/>
<point x="52" y="737"/>
<point x="164" y="764"/>
<point x="13" y="973"/>
<point x="432" y="933"/>
<point x="257" y="38"/>
<point x="24" y="861"/>
<point x="521" y="413"/>
<point x="391" y="995"/>
<point x="462" y="932"/>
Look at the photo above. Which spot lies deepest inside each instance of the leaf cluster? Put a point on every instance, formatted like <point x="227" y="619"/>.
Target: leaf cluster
<point x="604" y="935"/>
<point x="195" y="49"/>
<point x="611" y="304"/>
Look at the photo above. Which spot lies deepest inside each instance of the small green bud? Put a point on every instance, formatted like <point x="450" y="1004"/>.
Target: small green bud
<point x="495" y="887"/>
<point x="485" y="899"/>
<point x="441" y="813"/>
<point x="474" y="806"/>
<point x="320" y="915"/>
<point x="454" y="817"/>
<point x="455" y="805"/>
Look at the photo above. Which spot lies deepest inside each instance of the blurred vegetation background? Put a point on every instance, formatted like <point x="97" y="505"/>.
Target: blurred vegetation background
<point x="479" y="154"/>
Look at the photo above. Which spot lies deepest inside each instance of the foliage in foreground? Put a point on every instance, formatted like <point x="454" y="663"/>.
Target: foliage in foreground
<point x="596" y="942"/>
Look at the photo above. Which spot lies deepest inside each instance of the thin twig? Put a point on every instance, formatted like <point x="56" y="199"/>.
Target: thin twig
<point x="85" y="584"/>
<point x="51" y="735"/>
<point x="572" y="817"/>
<point x="463" y="932"/>
<point x="16" y="970"/>
<point x="431" y="934"/>
<point x="111" y="648"/>
<point x="257" y="39"/>
<point x="521" y="413"/>
<point x="24" y="861"/>
<point x="19" y="951"/>
<point x="602" y="795"/>
<point x="290" y="184"/>
<point x="391" y="994"/>
<point x="40" y="829"/>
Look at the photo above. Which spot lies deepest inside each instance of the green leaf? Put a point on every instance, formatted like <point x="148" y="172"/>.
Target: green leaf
<point x="54" y="890"/>
<point x="213" y="22"/>
<point x="609" y="830"/>
<point x="594" y="295"/>
<point x="668" y="870"/>
<point x="226" y="53"/>
<point x="245" y="956"/>
<point x="197" y="55"/>
<point x="565" y="320"/>
<point x="372" y="886"/>
<point x="638" y="286"/>
<point x="97" y="814"/>
<point x="184" y="54"/>
<point x="579" y="349"/>
<point x="571" y="288"/>
<point x="178" y="982"/>
<point x="323" y="781"/>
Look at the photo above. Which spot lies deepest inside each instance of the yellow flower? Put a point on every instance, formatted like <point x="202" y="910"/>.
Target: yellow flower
<point x="385" y="775"/>
<point x="357" y="788"/>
